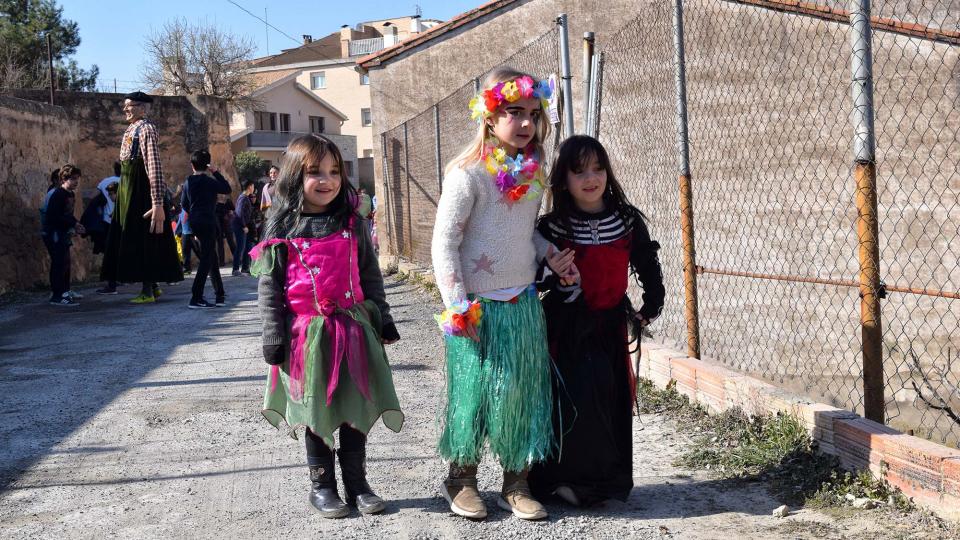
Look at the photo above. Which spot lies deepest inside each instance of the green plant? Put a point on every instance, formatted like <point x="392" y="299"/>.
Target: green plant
<point x="250" y="166"/>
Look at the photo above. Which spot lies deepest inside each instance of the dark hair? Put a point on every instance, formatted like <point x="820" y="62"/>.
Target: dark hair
<point x="574" y="154"/>
<point x="200" y="159"/>
<point x="288" y="193"/>
<point x="246" y="183"/>
<point x="54" y="178"/>
<point x="68" y="171"/>
<point x="113" y="186"/>
<point x="272" y="167"/>
<point x="116" y="168"/>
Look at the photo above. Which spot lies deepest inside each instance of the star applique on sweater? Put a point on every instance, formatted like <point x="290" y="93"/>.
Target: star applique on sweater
<point x="484" y="263"/>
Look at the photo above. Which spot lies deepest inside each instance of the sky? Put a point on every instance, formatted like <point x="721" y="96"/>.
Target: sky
<point x="112" y="31"/>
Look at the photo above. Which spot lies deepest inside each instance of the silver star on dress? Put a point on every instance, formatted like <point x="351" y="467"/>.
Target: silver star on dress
<point x="348" y="294"/>
<point x="346" y="234"/>
<point x="306" y="245"/>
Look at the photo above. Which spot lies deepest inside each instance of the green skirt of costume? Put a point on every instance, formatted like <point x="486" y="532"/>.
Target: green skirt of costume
<point x="499" y="390"/>
<point x="133" y="253"/>
<point x="347" y="405"/>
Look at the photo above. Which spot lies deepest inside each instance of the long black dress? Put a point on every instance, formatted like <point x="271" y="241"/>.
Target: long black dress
<point x="587" y="333"/>
<point x="134" y="254"/>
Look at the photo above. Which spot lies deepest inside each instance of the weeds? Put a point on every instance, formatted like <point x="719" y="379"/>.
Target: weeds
<point x="773" y="448"/>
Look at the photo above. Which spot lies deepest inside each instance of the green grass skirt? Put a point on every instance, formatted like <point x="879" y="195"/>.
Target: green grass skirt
<point x="499" y="390"/>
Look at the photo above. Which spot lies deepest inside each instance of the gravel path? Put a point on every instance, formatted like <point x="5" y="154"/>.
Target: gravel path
<point x="144" y="422"/>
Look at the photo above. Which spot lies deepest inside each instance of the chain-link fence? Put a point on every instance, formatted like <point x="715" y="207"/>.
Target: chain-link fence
<point x="775" y="191"/>
<point x="415" y="153"/>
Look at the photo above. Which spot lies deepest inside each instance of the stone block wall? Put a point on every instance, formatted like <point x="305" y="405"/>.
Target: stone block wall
<point x="85" y="129"/>
<point x="35" y="138"/>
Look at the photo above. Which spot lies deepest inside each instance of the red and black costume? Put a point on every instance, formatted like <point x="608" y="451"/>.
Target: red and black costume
<point x="587" y="333"/>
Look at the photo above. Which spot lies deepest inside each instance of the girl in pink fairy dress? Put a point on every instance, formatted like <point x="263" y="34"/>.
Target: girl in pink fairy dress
<point x="325" y="320"/>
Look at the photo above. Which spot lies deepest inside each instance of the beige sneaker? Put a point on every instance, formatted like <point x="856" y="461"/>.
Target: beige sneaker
<point x="460" y="490"/>
<point x="516" y="497"/>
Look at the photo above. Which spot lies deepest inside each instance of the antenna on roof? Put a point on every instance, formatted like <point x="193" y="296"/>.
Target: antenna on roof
<point x="419" y="11"/>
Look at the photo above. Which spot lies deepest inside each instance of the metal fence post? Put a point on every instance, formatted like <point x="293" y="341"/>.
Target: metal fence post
<point x="436" y="144"/>
<point x="861" y="65"/>
<point x="686" y="188"/>
<point x="386" y="190"/>
<point x="406" y="196"/>
<point x="565" y="74"/>
<point x="592" y="102"/>
<point x="476" y="85"/>
<point x="588" y="40"/>
<point x="597" y="95"/>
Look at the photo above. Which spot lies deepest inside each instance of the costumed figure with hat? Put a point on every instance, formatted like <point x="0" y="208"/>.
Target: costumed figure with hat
<point x="140" y="243"/>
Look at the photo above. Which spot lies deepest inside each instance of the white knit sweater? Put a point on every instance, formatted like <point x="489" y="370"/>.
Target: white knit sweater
<point x="481" y="242"/>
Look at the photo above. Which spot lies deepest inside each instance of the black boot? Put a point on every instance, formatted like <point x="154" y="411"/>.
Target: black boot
<point x="323" y="495"/>
<point x="359" y="494"/>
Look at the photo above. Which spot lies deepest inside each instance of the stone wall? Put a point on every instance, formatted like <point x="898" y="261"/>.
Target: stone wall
<point x="35" y="138"/>
<point x="85" y="129"/>
<point x="185" y="123"/>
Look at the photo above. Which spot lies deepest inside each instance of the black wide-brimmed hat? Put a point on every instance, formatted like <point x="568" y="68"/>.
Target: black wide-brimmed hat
<point x="138" y="97"/>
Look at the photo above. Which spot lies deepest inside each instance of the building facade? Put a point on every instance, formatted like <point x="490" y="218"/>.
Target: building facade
<point x="315" y="88"/>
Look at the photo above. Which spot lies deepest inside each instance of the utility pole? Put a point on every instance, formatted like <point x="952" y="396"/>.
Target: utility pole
<point x="50" y="63"/>
<point x="266" y="29"/>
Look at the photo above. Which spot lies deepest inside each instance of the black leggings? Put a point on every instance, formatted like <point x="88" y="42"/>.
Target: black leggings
<point x="350" y="440"/>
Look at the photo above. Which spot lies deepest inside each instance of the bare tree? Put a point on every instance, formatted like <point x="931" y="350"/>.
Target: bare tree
<point x="937" y="391"/>
<point x="194" y="58"/>
<point x="15" y="74"/>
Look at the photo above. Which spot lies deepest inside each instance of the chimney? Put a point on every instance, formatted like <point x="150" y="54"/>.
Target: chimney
<point x="345" y="35"/>
<point x="415" y="27"/>
<point x="307" y="39"/>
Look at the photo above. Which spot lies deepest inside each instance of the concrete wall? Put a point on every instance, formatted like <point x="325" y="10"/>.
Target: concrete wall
<point x="86" y="129"/>
<point x="34" y="139"/>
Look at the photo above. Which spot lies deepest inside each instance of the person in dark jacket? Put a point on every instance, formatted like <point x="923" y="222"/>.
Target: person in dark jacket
<point x="224" y="211"/>
<point x="199" y="201"/>
<point x="59" y="224"/>
<point x="243" y="228"/>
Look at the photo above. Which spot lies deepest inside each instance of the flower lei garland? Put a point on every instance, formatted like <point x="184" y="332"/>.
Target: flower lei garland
<point x="454" y="320"/>
<point x="484" y="104"/>
<point x="516" y="177"/>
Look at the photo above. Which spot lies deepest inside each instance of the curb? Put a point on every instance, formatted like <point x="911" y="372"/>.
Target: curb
<point x="927" y="472"/>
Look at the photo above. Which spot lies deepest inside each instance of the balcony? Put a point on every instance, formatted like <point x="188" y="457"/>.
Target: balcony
<point x="271" y="139"/>
<point x="363" y="47"/>
<point x="278" y="140"/>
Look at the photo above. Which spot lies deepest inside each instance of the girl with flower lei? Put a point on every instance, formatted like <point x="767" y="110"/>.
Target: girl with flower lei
<point x="485" y="256"/>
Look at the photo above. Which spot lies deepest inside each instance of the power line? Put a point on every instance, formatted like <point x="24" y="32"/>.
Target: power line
<point x="257" y="17"/>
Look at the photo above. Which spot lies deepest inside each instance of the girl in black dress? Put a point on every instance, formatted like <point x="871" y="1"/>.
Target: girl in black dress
<point x="587" y="325"/>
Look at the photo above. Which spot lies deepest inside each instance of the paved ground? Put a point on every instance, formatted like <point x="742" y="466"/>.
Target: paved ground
<point x="144" y="422"/>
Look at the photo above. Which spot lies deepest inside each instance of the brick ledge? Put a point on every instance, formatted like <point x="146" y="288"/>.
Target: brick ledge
<point x="926" y="471"/>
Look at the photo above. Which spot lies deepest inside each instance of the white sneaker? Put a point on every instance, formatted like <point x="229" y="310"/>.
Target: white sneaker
<point x="75" y="295"/>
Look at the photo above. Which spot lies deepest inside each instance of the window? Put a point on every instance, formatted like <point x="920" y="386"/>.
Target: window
<point x="365" y="117"/>
<point x="348" y="168"/>
<point x="317" y="124"/>
<point x="318" y="79"/>
<point x="368" y="153"/>
<point x="364" y="79"/>
<point x="285" y="123"/>
<point x="264" y="121"/>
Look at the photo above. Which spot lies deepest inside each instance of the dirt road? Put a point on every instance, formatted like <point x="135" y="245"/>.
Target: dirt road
<point x="144" y="422"/>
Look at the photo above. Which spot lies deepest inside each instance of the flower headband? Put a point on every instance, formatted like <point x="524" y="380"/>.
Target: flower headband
<point x="484" y="104"/>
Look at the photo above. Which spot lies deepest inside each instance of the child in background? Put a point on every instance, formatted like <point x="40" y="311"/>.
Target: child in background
<point x="325" y="320"/>
<point x="587" y="324"/>
<point x="59" y="225"/>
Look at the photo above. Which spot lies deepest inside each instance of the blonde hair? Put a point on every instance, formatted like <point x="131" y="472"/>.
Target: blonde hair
<point x="472" y="152"/>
